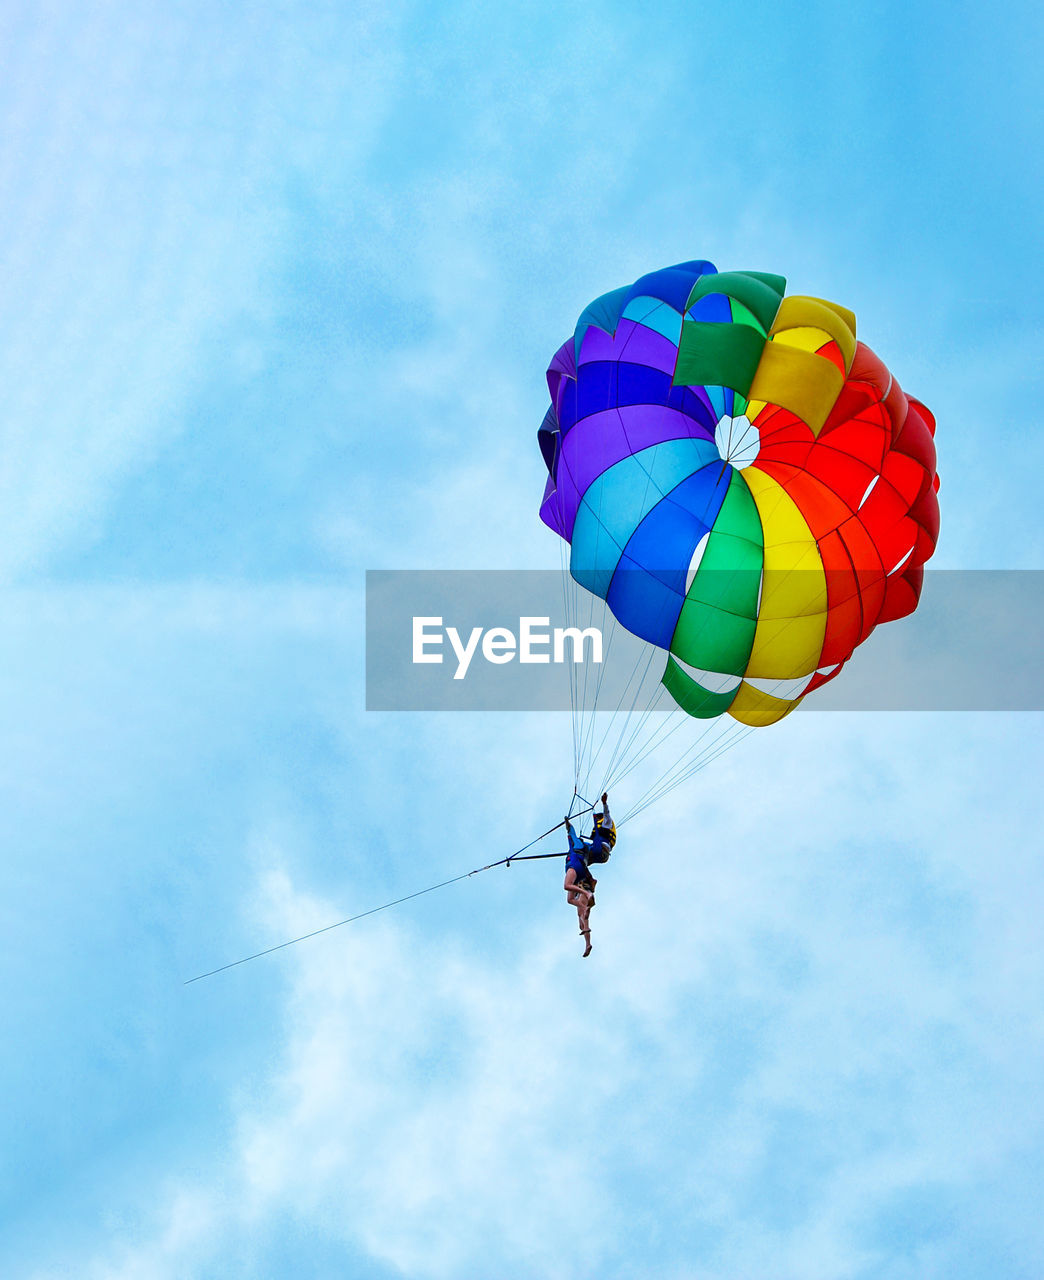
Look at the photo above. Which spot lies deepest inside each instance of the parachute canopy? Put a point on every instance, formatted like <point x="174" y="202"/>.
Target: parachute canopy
<point x="740" y="479"/>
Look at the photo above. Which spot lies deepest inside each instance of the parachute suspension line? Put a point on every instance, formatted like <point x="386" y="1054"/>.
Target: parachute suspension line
<point x="579" y="812"/>
<point x="743" y="435"/>
<point x="586" y="750"/>
<point x="573" y="609"/>
<point x="684" y="769"/>
<point x="608" y="772"/>
<point x="566" y="607"/>
<point x="675" y="775"/>
<point x="626" y="760"/>
<point x="567" y="578"/>
<point x="601" y="627"/>
<point x="625" y="757"/>
<point x="639" y="685"/>
<point x="518" y="856"/>
<point x="578" y="690"/>
<point x="659" y="734"/>
<point x="728" y="447"/>
<point x="658" y="737"/>
<point x="714" y="752"/>
<point x="582" y="685"/>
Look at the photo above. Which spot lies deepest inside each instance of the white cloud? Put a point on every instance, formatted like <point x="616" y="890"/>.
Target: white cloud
<point x="796" y="1018"/>
<point x="144" y="208"/>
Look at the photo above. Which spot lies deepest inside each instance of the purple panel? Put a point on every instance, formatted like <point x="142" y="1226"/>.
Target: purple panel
<point x="549" y="510"/>
<point x="632" y="342"/>
<point x="599" y="441"/>
<point x="561" y="375"/>
<point x="564" y="361"/>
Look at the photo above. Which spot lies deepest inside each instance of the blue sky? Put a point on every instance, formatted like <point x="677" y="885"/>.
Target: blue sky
<point x="279" y="289"/>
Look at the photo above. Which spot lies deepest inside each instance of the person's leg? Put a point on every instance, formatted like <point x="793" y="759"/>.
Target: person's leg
<point x="580" y="898"/>
<point x="584" y="902"/>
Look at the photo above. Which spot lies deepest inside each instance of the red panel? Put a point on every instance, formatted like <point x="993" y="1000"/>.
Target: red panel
<point x="870" y="573"/>
<point x="870" y="369"/>
<point x="822" y="509"/>
<point x="904" y="590"/>
<point x="818" y="680"/>
<point x="925" y="413"/>
<point x="791" y="453"/>
<point x="848" y="477"/>
<point x="844" y="630"/>
<point x="777" y="426"/>
<point x="866" y="436"/>
<point x="873" y="432"/>
<point x="832" y="352"/>
<point x="844" y="623"/>
<point x="897" y="405"/>
<point x="925" y="513"/>
<point x="915" y="440"/>
<point x="905" y="475"/>
<point x="865" y="557"/>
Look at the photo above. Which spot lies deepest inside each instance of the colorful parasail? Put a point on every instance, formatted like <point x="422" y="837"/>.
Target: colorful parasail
<point x="741" y="480"/>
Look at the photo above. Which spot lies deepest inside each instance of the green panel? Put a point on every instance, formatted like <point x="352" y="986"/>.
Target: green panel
<point x="744" y="315"/>
<point x="713" y="639"/>
<point x="691" y="696"/>
<point x="778" y="284"/>
<point x="757" y="291"/>
<point x="715" y="630"/>
<point x="718" y="355"/>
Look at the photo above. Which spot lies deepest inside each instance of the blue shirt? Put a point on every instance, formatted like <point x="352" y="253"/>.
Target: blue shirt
<point x="574" y="862"/>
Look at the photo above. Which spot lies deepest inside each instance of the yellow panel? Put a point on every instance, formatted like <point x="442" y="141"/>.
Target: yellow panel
<point x="788" y="640"/>
<point x="806" y="384"/>
<point x="847" y="316"/>
<point x="804" y="338"/>
<point x="799" y="313"/>
<point x="751" y="706"/>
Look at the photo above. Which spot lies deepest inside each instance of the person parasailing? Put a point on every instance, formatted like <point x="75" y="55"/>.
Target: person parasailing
<point x="579" y="883"/>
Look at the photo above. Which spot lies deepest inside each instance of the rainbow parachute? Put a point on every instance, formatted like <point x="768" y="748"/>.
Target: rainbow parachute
<point x="742" y="482"/>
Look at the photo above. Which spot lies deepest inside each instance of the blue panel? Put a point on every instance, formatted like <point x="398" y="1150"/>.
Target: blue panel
<point x="703" y="493"/>
<point x="664" y="541"/>
<point x="606" y="384"/>
<point x="667" y="464"/>
<point x="620" y="498"/>
<point x="643" y="604"/>
<point x="688" y="402"/>
<point x="672" y="284"/>
<point x="593" y="555"/>
<point x="713" y="308"/>
<point x="722" y="400"/>
<point x="698" y="267"/>
<point x="638" y="384"/>
<point x="604" y="312"/>
<point x="657" y="315"/>
<point x="595" y="387"/>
